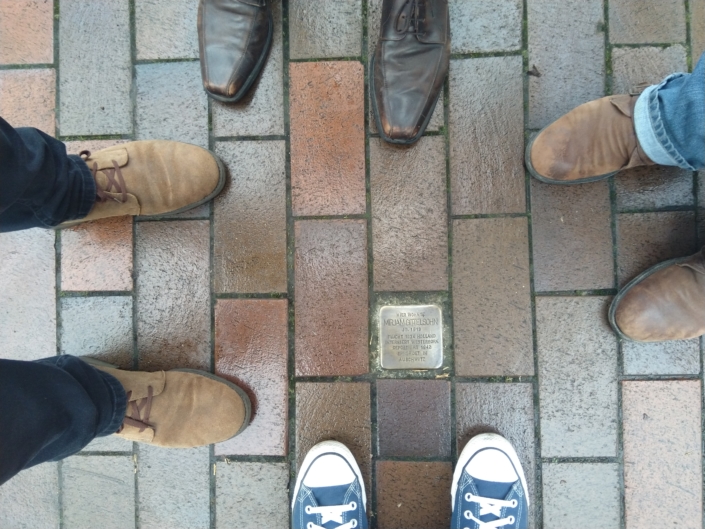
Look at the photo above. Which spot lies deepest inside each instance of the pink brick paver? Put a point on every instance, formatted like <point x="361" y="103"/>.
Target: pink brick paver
<point x="26" y="31"/>
<point x="28" y="98"/>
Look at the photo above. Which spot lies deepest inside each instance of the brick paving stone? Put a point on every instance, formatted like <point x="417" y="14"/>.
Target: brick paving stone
<point x="100" y="327"/>
<point x="413" y="495"/>
<point x="251" y="495"/>
<point x="30" y="500"/>
<point x="98" y="488"/>
<point x="492" y="297"/>
<point x="507" y="409"/>
<point x="338" y="411"/>
<point x="413" y="418"/>
<point x="325" y="29"/>
<point x="261" y="111"/>
<point x="577" y="26"/>
<point x="485" y="26"/>
<point x="251" y="349"/>
<point x="581" y="496"/>
<point x="28" y="286"/>
<point x="572" y="236"/>
<point x="662" y="453"/>
<point x="646" y="239"/>
<point x="166" y="29"/>
<point x="250" y="219"/>
<point x="486" y="127"/>
<point x="331" y="293"/>
<point x="174" y="488"/>
<point x="171" y="103"/>
<point x="96" y="73"/>
<point x="27" y="98"/>
<point x="410" y="244"/>
<point x="327" y="112"/>
<point x="653" y="187"/>
<point x="634" y="66"/>
<point x="646" y="21"/>
<point x="697" y="28"/>
<point x="26" y="31"/>
<point x="577" y="360"/>
<point x="676" y="357"/>
<point x="173" y="301"/>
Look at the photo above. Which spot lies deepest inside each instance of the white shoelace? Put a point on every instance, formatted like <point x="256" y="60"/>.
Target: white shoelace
<point x="332" y="513"/>
<point x="490" y="506"/>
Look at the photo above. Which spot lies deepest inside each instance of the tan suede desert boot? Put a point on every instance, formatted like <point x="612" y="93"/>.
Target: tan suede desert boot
<point x="591" y="142"/>
<point x="181" y="408"/>
<point x="151" y="178"/>
<point x="667" y="302"/>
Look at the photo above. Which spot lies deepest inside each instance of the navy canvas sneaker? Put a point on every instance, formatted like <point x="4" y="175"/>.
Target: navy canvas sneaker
<point x="329" y="492"/>
<point x="489" y="488"/>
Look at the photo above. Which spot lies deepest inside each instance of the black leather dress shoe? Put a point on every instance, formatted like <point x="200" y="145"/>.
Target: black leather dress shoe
<point x="234" y="37"/>
<point x="409" y="65"/>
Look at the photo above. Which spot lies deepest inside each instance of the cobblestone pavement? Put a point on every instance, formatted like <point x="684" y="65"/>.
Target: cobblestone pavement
<point x="277" y="284"/>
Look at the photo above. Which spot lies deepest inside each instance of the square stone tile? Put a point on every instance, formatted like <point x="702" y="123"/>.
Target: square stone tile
<point x="31" y="499"/>
<point x="577" y="26"/>
<point x="675" y="357"/>
<point x="646" y="21"/>
<point x="632" y="67"/>
<point x="28" y="286"/>
<point x="96" y="68"/>
<point x="327" y="109"/>
<point x="251" y="495"/>
<point x="166" y="29"/>
<point x="250" y="219"/>
<point x="572" y="236"/>
<point x="261" y="111"/>
<point x="410" y="244"/>
<point x="577" y="355"/>
<point x="28" y="98"/>
<point x="581" y="496"/>
<point x="100" y="327"/>
<point x="26" y="31"/>
<point x="697" y="28"/>
<point x="485" y="26"/>
<point x="486" y="127"/>
<point x="109" y="443"/>
<point x="338" y="411"/>
<point x="413" y="418"/>
<point x="173" y="295"/>
<point x="325" y="29"/>
<point x="653" y="187"/>
<point x="646" y="239"/>
<point x="174" y="487"/>
<point x="251" y="349"/>
<point x="662" y="453"/>
<point x="492" y="297"/>
<point x="413" y="495"/>
<point x="331" y="298"/>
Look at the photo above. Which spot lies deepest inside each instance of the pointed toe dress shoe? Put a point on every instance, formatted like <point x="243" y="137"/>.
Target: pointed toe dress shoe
<point x="234" y="37"/>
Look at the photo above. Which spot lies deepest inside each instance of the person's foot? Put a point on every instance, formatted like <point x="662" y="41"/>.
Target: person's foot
<point x="667" y="302"/>
<point x="151" y="178"/>
<point x="181" y="408"/>
<point x="329" y="492"/>
<point x="489" y="488"/>
<point x="234" y="37"/>
<point x="593" y="141"/>
<point x="409" y="66"/>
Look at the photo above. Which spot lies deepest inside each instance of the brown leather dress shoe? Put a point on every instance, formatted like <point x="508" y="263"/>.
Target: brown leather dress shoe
<point x="234" y="37"/>
<point x="667" y="302"/>
<point x="593" y="141"/>
<point x="409" y="65"/>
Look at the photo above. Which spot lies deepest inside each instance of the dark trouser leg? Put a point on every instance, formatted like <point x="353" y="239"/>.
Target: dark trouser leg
<point x="52" y="408"/>
<point x="40" y="185"/>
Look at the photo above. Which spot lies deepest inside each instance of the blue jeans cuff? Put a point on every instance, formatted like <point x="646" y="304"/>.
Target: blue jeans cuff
<point x="119" y="404"/>
<point x="89" y="188"/>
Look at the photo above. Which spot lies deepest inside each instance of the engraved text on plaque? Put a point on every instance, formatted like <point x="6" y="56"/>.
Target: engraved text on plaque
<point x="411" y="337"/>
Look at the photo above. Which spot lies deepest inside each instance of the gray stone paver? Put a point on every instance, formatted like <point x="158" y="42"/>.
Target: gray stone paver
<point x="31" y="499"/>
<point x="485" y="26"/>
<point x="166" y="29"/>
<point x="645" y="21"/>
<point x="325" y="29"/>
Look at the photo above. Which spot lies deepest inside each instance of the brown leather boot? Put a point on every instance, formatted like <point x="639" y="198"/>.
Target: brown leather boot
<point x="591" y="142"/>
<point x="234" y="37"/>
<point x="667" y="302"/>
<point x="151" y="178"/>
<point x="181" y="408"/>
<point x="409" y="65"/>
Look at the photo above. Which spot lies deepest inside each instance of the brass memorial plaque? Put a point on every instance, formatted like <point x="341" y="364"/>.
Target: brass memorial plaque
<point x="411" y="337"/>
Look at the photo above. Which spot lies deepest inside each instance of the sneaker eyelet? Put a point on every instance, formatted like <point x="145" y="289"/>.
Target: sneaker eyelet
<point x="511" y="520"/>
<point x="309" y="525"/>
<point x="467" y="514"/>
<point x="514" y="504"/>
<point x="308" y="509"/>
<point x="353" y="505"/>
<point x="353" y="523"/>
<point x="468" y="497"/>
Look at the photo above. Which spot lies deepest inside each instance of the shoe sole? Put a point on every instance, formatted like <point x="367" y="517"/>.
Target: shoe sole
<point x="253" y="75"/>
<point x="481" y="442"/>
<point x="329" y="447"/>
<point x="378" y="122"/>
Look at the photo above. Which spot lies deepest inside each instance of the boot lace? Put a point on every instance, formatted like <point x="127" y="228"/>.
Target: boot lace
<point x="490" y="506"/>
<point x="332" y="513"/>
<point x="134" y="417"/>
<point x="113" y="183"/>
<point x="409" y="18"/>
